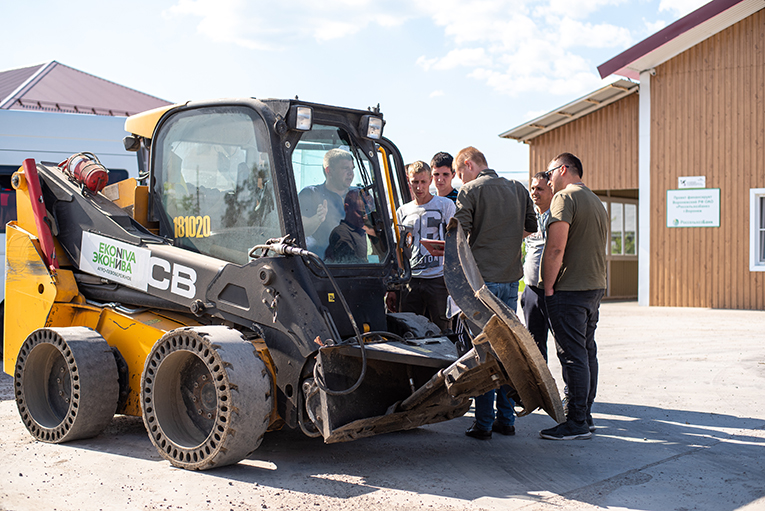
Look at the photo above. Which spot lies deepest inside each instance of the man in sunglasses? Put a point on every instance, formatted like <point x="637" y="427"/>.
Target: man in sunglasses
<point x="574" y="280"/>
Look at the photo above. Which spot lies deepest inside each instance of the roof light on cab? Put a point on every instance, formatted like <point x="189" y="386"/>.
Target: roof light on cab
<point x="300" y="118"/>
<point x="371" y="127"/>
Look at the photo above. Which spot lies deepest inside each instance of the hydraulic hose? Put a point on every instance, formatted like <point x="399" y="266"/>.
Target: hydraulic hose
<point x="285" y="249"/>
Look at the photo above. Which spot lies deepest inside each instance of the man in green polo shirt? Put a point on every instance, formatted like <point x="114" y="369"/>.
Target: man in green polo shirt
<point x="574" y="279"/>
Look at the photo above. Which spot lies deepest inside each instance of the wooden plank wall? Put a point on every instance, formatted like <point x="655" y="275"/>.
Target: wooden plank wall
<point x="624" y="278"/>
<point x="606" y="141"/>
<point x="708" y="119"/>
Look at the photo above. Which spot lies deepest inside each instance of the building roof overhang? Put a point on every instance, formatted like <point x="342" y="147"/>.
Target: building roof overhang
<point x="55" y="87"/>
<point x="681" y="35"/>
<point x="572" y="111"/>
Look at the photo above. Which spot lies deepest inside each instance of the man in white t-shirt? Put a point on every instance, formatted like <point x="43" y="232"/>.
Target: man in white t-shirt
<point x="426" y="216"/>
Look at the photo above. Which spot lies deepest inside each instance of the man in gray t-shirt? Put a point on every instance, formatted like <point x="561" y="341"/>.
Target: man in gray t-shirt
<point x="532" y="299"/>
<point x="426" y="217"/>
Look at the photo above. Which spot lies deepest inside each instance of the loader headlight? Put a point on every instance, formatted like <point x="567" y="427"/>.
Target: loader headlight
<point x="300" y="118"/>
<point x="371" y="127"/>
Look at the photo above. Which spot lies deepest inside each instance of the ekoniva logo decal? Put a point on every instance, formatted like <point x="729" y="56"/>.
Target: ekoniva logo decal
<point x="114" y="260"/>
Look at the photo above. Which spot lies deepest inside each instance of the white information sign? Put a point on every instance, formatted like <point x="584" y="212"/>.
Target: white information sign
<point x="693" y="208"/>
<point x="684" y="182"/>
<point x="114" y="260"/>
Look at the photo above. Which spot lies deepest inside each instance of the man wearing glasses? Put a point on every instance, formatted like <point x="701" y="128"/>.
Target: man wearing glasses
<point x="574" y="280"/>
<point x="533" y="297"/>
<point x="496" y="215"/>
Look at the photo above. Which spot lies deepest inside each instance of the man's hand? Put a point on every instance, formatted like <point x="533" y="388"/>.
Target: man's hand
<point x="311" y="223"/>
<point x="391" y="301"/>
<point x="321" y="211"/>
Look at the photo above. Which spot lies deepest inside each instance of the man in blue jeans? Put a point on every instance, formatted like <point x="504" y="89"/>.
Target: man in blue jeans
<point x="496" y="215"/>
<point x="574" y="280"/>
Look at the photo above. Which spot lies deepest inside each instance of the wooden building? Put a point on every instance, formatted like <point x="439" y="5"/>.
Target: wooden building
<point x="677" y="159"/>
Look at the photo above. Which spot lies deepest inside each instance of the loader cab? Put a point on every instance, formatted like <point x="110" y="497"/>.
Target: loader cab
<point x="229" y="176"/>
<point x="232" y="174"/>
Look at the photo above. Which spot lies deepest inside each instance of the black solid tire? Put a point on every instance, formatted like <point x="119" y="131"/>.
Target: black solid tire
<point x="66" y="384"/>
<point x="206" y="397"/>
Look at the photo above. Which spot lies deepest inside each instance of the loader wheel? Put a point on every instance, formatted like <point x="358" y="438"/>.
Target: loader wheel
<point x="66" y="384"/>
<point x="206" y="397"/>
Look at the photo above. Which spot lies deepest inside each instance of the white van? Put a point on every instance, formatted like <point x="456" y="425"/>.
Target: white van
<point x="53" y="137"/>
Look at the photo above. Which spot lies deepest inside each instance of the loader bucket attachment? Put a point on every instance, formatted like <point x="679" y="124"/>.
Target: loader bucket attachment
<point x="510" y="341"/>
<point x="416" y="382"/>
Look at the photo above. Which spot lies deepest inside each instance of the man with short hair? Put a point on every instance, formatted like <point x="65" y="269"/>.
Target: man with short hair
<point x="426" y="216"/>
<point x="348" y="241"/>
<point x="496" y="214"/>
<point x="533" y="296"/>
<point x="322" y="206"/>
<point x="574" y="280"/>
<point x="443" y="174"/>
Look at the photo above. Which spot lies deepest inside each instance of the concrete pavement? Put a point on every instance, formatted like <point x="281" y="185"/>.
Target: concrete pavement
<point x="681" y="425"/>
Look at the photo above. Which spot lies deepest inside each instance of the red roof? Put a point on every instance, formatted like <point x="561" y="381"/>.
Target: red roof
<point x="54" y="87"/>
<point x="672" y="40"/>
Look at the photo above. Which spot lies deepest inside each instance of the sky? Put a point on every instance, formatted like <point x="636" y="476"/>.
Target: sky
<point x="446" y="73"/>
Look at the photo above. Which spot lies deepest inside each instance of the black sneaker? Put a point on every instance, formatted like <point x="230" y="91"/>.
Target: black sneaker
<point x="590" y="424"/>
<point x="475" y="432"/>
<point x="502" y="429"/>
<point x="568" y="430"/>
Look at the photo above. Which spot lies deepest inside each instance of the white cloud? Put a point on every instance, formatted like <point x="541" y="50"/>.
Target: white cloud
<point x="576" y="9"/>
<point x="437" y="94"/>
<point x="426" y="63"/>
<point x="680" y="8"/>
<point x="513" y="46"/>
<point x="654" y="27"/>
<point x="516" y="47"/>
<point x="603" y="35"/>
<point x="503" y="21"/>
<point x="466" y="57"/>
<point x="222" y="22"/>
<point x="257" y="25"/>
<point x="327" y="30"/>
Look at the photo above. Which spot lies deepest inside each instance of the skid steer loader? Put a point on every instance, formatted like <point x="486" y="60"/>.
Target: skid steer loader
<point x="201" y="302"/>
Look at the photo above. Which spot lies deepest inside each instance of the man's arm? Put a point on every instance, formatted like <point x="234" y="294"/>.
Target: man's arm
<point x="464" y="210"/>
<point x="312" y="223"/>
<point x="530" y="221"/>
<point x="555" y="247"/>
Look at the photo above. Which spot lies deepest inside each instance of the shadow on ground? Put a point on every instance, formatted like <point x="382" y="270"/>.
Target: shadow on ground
<point x="637" y="450"/>
<point x="640" y="457"/>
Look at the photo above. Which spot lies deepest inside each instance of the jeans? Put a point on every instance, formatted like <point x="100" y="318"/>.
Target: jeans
<point x="573" y="317"/>
<point x="484" y="404"/>
<point x="533" y="305"/>
<point x="505" y="291"/>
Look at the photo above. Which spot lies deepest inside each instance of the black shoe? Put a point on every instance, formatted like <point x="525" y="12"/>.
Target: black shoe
<point x="568" y="430"/>
<point x="590" y="424"/>
<point x="502" y="429"/>
<point x="475" y="432"/>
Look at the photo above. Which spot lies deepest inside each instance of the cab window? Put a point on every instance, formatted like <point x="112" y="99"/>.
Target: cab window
<point x="215" y="183"/>
<point x="339" y="207"/>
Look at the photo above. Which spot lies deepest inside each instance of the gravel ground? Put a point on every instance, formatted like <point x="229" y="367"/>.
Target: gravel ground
<point x="680" y="416"/>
